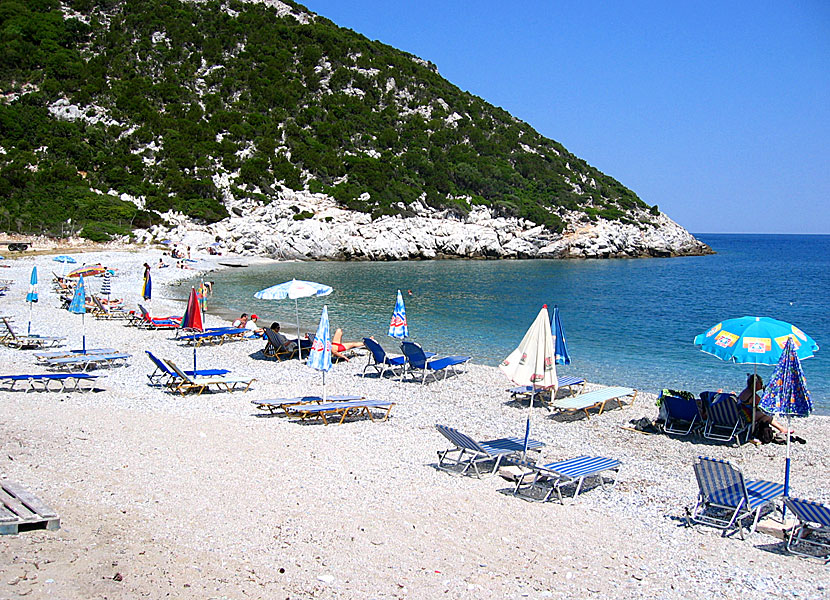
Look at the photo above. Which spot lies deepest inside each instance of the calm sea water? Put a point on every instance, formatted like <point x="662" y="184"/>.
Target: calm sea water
<point x="627" y="322"/>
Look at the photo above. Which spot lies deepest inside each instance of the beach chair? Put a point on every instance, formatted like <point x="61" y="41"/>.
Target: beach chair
<point x="682" y="414"/>
<point x="467" y="452"/>
<point x="725" y="499"/>
<point x="44" y="356"/>
<point x="186" y="383"/>
<point x="272" y="405"/>
<point x="163" y="374"/>
<point x="218" y="335"/>
<point x="724" y="419"/>
<point x="552" y="477"/>
<point x="380" y="361"/>
<point x="22" y="342"/>
<point x="568" y="381"/>
<point x="148" y="322"/>
<point x="811" y="534"/>
<point x="344" y="409"/>
<point x="596" y="399"/>
<point x="68" y="382"/>
<point x="417" y="360"/>
<point x="277" y="346"/>
<point x="88" y="361"/>
<point x="105" y="311"/>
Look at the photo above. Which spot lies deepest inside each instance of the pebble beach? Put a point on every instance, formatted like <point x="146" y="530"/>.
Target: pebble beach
<point x="163" y="495"/>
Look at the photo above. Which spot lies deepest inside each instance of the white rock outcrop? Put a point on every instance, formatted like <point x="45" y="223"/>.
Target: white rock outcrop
<point x="281" y="229"/>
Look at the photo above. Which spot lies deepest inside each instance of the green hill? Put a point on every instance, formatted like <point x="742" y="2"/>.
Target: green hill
<point x="160" y="100"/>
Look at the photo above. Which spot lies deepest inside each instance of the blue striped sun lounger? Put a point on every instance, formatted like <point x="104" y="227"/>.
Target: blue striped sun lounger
<point x="811" y="534"/>
<point x="344" y="409"/>
<point x="272" y="405"/>
<point x="724" y="419"/>
<point x="552" y="477"/>
<point x="467" y="452"/>
<point x="595" y="399"/>
<point x="568" y="381"/>
<point x="68" y="382"/>
<point x="722" y="489"/>
<point x="88" y="361"/>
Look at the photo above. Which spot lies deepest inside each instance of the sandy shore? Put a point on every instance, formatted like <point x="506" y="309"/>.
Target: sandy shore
<point x="204" y="497"/>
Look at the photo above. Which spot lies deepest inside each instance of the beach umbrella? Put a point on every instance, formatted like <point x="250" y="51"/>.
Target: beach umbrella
<point x="787" y="395"/>
<point x="31" y="297"/>
<point x="559" y="343"/>
<point x="78" y="306"/>
<point x="66" y="260"/>
<point x="293" y="290"/>
<point x="754" y="341"/>
<point x="192" y="318"/>
<point x="397" y="326"/>
<point x="320" y="356"/>
<point x="106" y="285"/>
<point x="88" y="271"/>
<point x="533" y="363"/>
<point x="147" y="288"/>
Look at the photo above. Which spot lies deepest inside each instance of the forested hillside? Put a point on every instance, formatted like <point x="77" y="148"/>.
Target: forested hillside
<point x="177" y="105"/>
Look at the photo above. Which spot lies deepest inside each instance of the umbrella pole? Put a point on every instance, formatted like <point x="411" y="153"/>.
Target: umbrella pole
<point x="324" y="386"/>
<point x="754" y="408"/>
<point x="786" y="472"/>
<point x="299" y="345"/>
<point x="527" y="425"/>
<point x="194" y="359"/>
<point x="29" y="331"/>
<point x="83" y="333"/>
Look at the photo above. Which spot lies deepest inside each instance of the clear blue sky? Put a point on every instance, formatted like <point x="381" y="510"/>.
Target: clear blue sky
<point x="719" y="112"/>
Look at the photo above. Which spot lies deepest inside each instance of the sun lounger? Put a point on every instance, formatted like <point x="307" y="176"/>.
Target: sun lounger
<point x="68" y="382"/>
<point x="43" y="356"/>
<point x="471" y="452"/>
<point x="595" y="399"/>
<point x="811" y="534"/>
<point x="417" y="360"/>
<point x="214" y="336"/>
<point x="186" y="383"/>
<point x="380" y="361"/>
<point x="164" y="374"/>
<point x="22" y="342"/>
<point x="279" y="346"/>
<point x="722" y="488"/>
<point x="568" y="381"/>
<point x="552" y="477"/>
<point x="106" y="311"/>
<point x="682" y="414"/>
<point x="148" y="322"/>
<point x="272" y="405"/>
<point x="344" y="409"/>
<point x="88" y="361"/>
<point x="724" y="420"/>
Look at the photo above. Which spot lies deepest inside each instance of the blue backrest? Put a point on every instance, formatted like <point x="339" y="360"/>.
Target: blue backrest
<point x="719" y="480"/>
<point x="680" y="408"/>
<point x="809" y="512"/>
<point x="723" y="410"/>
<point x="158" y="363"/>
<point x="376" y="349"/>
<point x="414" y="354"/>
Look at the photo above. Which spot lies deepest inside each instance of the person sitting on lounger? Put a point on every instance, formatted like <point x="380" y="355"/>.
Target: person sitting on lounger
<point x="241" y="321"/>
<point x="286" y="344"/>
<point x="253" y="327"/>
<point x="754" y="384"/>
<point x="338" y="346"/>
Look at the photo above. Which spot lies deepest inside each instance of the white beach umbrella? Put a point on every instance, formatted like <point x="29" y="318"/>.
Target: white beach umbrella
<point x="293" y="290"/>
<point x="533" y="363"/>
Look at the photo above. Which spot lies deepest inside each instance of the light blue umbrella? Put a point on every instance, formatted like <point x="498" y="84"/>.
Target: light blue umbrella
<point x="31" y="297"/>
<point x="293" y="290"/>
<point x="63" y="258"/>
<point x="320" y="356"/>
<point x="754" y="341"/>
<point x="787" y="394"/>
<point x="397" y="326"/>
<point x="559" y="342"/>
<point x="78" y="306"/>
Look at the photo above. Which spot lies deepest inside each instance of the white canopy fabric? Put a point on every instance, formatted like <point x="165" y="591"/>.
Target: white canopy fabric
<point x="534" y="361"/>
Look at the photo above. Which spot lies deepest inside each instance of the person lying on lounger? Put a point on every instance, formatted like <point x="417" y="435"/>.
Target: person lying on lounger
<point x="338" y="346"/>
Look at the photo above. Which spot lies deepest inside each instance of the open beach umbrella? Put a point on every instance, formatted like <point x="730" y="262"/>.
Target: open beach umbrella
<point x="192" y="318"/>
<point x="320" y="356"/>
<point x="78" y="306"/>
<point x="66" y="260"/>
<point x="397" y="326"/>
<point x="147" y="288"/>
<point x="31" y="297"/>
<point x="754" y="341"/>
<point x="559" y="343"/>
<point x="293" y="290"/>
<point x="787" y="395"/>
<point x="88" y="271"/>
<point x="533" y="363"/>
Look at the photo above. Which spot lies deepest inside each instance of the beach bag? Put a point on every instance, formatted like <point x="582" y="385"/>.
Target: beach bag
<point x="764" y="433"/>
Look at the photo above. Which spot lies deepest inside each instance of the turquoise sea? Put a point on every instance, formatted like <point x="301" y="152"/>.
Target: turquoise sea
<point x="627" y="321"/>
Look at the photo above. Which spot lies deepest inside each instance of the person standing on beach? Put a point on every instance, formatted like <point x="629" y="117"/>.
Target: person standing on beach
<point x="147" y="290"/>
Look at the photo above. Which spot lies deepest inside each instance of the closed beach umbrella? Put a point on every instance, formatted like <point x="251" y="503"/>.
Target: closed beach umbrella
<point x="88" y="271"/>
<point x="293" y="290"/>
<point x="754" y="341"/>
<point x="533" y="363"/>
<point x="31" y="297"/>
<point x="397" y="326"/>
<point x="192" y="318"/>
<point x="147" y="289"/>
<point x="78" y="306"/>
<point x="106" y="285"/>
<point x="787" y="395"/>
<point x="559" y="343"/>
<point x="320" y="356"/>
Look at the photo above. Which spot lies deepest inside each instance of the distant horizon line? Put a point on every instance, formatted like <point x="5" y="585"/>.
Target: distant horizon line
<point x="751" y="233"/>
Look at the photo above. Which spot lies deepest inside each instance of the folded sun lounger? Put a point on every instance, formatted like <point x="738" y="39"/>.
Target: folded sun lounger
<point x="552" y="477"/>
<point x="471" y="452"/>
<point x="812" y="531"/>
<point x="344" y="409"/>
<point x="595" y="399"/>
<point x="68" y="382"/>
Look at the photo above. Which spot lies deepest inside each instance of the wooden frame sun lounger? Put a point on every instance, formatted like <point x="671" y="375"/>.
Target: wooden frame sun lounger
<point x="44" y="356"/>
<point x="163" y="374"/>
<point x="22" y="342"/>
<point x="69" y="382"/>
<point x="344" y="409"/>
<point x="595" y="399"/>
<point x="186" y="383"/>
<point x="275" y="404"/>
<point x="87" y="361"/>
<point x="214" y="336"/>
